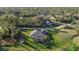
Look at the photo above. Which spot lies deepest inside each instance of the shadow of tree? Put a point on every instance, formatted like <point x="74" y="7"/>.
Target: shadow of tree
<point x="2" y="48"/>
<point x="50" y="41"/>
<point x="75" y="35"/>
<point x="25" y="47"/>
<point x="63" y="31"/>
<point x="33" y="46"/>
<point x="38" y="46"/>
<point x="42" y="46"/>
<point x="27" y="42"/>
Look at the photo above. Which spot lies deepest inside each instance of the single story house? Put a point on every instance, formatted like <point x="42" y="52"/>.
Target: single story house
<point x="39" y="35"/>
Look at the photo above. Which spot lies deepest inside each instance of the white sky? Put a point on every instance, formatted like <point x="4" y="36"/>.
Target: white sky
<point x="39" y="3"/>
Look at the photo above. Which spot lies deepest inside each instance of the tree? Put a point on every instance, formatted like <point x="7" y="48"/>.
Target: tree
<point x="8" y="25"/>
<point x="21" y="21"/>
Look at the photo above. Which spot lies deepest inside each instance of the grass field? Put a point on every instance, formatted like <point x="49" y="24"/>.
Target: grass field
<point x="62" y="39"/>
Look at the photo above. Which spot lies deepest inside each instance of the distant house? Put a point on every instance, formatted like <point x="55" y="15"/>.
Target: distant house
<point x="39" y="35"/>
<point x="47" y="22"/>
<point x="53" y="23"/>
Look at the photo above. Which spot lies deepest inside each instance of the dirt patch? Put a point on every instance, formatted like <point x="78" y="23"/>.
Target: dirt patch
<point x="8" y="42"/>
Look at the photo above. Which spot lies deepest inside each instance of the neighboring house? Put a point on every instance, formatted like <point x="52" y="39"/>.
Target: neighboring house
<point x="39" y="35"/>
<point x="47" y="22"/>
<point x="53" y="23"/>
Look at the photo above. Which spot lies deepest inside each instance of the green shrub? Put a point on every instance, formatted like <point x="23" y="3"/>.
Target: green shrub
<point x="72" y="47"/>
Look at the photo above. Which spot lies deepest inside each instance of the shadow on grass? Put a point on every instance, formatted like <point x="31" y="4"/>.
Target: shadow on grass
<point x="50" y="40"/>
<point x="2" y="48"/>
<point x="75" y="36"/>
<point x="31" y="45"/>
<point x="38" y="46"/>
<point x="26" y="30"/>
<point x="25" y="47"/>
<point x="16" y="46"/>
<point x="26" y="38"/>
<point x="46" y="45"/>
<point x="63" y="31"/>
<point x="42" y="46"/>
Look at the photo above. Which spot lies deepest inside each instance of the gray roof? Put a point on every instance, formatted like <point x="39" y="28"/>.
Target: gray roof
<point x="36" y="34"/>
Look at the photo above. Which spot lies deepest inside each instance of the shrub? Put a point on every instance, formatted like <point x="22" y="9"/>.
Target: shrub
<point x="72" y="47"/>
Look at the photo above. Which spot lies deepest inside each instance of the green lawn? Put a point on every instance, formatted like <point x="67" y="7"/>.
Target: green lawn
<point x="31" y="45"/>
<point x="61" y="40"/>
